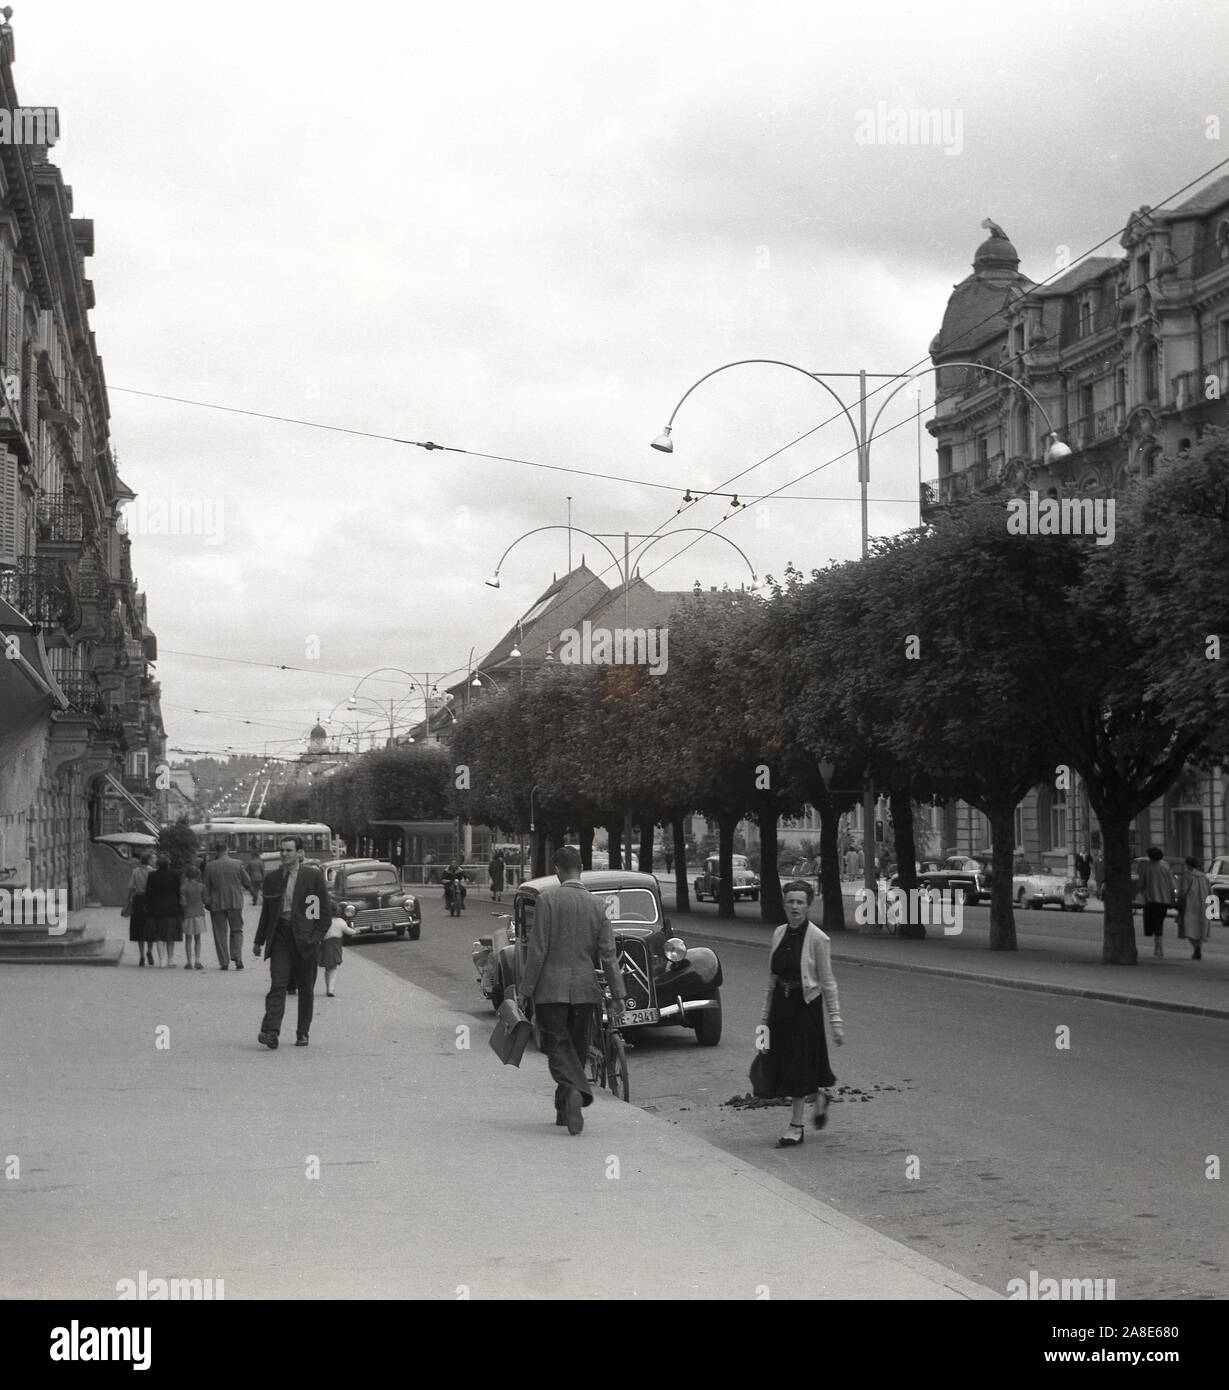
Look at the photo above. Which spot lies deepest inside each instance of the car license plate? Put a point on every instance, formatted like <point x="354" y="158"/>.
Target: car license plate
<point x="630" y="1017"/>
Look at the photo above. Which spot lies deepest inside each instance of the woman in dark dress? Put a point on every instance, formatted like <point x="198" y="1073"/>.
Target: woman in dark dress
<point x="136" y="907"/>
<point x="162" y="911"/>
<point x="800" y="986"/>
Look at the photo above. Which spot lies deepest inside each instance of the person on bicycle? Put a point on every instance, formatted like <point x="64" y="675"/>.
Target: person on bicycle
<point x="454" y="882"/>
<point x="571" y="938"/>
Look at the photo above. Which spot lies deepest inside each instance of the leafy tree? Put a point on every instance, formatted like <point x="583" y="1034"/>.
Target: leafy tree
<point x="181" y="843"/>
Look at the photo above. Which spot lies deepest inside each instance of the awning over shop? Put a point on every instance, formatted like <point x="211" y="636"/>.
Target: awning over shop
<point x="122" y="791"/>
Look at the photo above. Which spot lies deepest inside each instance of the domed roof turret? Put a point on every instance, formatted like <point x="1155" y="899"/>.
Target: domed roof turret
<point x="974" y="315"/>
<point x="319" y="734"/>
<point x="996" y="252"/>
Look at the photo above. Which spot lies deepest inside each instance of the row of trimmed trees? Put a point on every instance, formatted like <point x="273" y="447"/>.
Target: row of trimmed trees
<point x="957" y="661"/>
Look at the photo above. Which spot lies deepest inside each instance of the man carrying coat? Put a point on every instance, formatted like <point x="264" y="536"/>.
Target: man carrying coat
<point x="295" y="916"/>
<point x="570" y="937"/>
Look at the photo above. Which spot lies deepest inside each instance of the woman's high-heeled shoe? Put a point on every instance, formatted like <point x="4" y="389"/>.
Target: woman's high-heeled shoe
<point x="791" y="1141"/>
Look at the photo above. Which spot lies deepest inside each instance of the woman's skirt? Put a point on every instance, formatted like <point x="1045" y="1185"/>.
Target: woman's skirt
<point x="165" y="928"/>
<point x="137" y="921"/>
<point x="330" y="952"/>
<point x="798" y="1046"/>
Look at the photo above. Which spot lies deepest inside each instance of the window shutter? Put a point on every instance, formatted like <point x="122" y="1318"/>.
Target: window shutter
<point x="10" y="503"/>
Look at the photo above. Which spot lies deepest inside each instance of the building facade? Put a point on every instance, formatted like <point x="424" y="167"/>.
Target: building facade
<point x="82" y="745"/>
<point x="1128" y="358"/>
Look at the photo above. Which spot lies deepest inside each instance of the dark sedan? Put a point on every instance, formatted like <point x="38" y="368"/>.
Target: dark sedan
<point x="667" y="982"/>
<point x="370" y="895"/>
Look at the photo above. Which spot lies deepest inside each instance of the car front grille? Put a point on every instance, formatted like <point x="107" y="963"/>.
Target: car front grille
<point x="637" y="972"/>
<point x="372" y="915"/>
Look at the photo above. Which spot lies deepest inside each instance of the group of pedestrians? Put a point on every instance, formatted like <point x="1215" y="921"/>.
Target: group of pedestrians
<point x="1191" y="893"/>
<point x="165" y="907"/>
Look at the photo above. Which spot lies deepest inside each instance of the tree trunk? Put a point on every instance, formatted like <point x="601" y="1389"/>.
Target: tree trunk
<point x="1003" y="842"/>
<point x="772" y="905"/>
<point x="726" y="825"/>
<point x="586" y="846"/>
<point x="830" y="868"/>
<point x="646" y="846"/>
<point x="1118" y="935"/>
<point x="682" y="890"/>
<point x="614" y="840"/>
<point x="906" y="856"/>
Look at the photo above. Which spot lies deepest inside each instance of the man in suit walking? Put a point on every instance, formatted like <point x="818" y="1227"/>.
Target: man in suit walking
<point x="569" y="938"/>
<point x="295" y="916"/>
<point x="225" y="881"/>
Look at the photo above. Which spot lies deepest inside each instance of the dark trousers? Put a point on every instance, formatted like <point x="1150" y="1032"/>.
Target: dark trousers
<point x="563" y="1030"/>
<point x="227" y="926"/>
<point x="285" y="962"/>
<point x="1154" y="918"/>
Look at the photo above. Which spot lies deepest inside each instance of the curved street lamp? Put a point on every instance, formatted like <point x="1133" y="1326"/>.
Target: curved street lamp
<point x="862" y="440"/>
<point x="426" y="694"/>
<point x="863" y="437"/>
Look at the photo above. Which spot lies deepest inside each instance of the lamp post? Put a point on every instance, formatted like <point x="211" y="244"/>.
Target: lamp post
<point x="644" y="542"/>
<point x="423" y="685"/>
<point x="863" y="438"/>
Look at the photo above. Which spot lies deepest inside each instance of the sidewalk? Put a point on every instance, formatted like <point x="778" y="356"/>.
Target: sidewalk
<point x="1060" y="954"/>
<point x="439" y="1170"/>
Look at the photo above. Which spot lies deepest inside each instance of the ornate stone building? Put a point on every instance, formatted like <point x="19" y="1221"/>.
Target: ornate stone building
<point x="81" y="736"/>
<point x="1128" y="359"/>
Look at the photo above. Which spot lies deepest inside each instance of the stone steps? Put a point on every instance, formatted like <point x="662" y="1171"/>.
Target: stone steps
<point x="84" y="943"/>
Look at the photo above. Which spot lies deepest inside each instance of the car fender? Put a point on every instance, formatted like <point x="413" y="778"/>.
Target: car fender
<point x="701" y="965"/>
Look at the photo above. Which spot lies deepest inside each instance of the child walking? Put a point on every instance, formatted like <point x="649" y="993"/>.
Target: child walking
<point x="192" y="906"/>
<point x="330" y="952"/>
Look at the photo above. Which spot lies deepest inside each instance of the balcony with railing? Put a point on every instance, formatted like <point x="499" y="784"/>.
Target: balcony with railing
<point x="1191" y="388"/>
<point x="951" y="487"/>
<point x="83" y="692"/>
<point x="1097" y="427"/>
<point x="42" y="588"/>
<point x="63" y="522"/>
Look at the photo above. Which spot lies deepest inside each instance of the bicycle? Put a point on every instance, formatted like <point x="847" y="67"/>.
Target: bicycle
<point x="606" y="1061"/>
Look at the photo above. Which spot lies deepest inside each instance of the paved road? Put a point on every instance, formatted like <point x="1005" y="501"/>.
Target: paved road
<point x="1087" y="1161"/>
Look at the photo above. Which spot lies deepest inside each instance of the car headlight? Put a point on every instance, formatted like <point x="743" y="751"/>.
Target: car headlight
<point x="676" y="949"/>
<point x="349" y="910"/>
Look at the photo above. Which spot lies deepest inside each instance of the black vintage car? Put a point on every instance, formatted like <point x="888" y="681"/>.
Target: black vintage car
<point x="370" y="895"/>
<point x="666" y="982"/>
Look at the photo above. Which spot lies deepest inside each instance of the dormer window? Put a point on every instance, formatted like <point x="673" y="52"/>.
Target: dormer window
<point x="1222" y="241"/>
<point x="1085" y="317"/>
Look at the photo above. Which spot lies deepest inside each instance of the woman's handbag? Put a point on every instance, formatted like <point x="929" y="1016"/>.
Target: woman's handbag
<point x="512" y="1033"/>
<point x="765" y="1074"/>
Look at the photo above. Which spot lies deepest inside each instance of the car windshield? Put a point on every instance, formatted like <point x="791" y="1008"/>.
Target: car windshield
<point x="629" y="905"/>
<point x="371" y="878"/>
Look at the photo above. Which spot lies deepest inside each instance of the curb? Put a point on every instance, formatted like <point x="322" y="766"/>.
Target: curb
<point x="1003" y="981"/>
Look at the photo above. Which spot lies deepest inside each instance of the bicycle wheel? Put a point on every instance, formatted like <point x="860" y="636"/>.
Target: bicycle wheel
<point x="617" y="1067"/>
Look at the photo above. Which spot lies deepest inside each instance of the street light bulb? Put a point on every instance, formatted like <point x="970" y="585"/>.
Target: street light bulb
<point x="1057" y="451"/>
<point x="516" y="651"/>
<point x="663" y="443"/>
<point x="493" y="582"/>
<point x="352" y="702"/>
<point x="476" y="681"/>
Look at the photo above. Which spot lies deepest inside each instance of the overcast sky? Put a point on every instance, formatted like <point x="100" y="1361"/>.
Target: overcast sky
<point x="526" y="231"/>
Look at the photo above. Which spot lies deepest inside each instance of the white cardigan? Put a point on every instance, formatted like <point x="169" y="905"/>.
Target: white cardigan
<point x="817" y="976"/>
